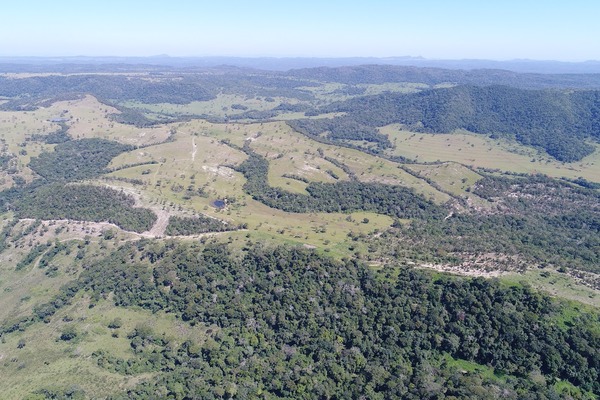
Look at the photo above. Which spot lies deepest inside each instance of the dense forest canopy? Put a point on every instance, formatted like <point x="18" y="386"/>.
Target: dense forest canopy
<point x="291" y="324"/>
<point x="379" y="74"/>
<point x="85" y="203"/>
<point x="77" y="159"/>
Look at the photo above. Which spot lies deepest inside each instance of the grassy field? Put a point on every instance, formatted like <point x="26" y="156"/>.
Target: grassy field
<point x="15" y="128"/>
<point x="197" y="158"/>
<point x="21" y="289"/>
<point x="90" y="118"/>
<point x="329" y="92"/>
<point x="556" y="284"/>
<point x="223" y="105"/>
<point x="185" y="174"/>
<point x="86" y="118"/>
<point x="453" y="178"/>
<point x="294" y="154"/>
<point x="45" y="361"/>
<point x="480" y="151"/>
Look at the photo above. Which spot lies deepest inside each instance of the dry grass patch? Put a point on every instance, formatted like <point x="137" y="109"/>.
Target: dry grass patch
<point x="88" y="118"/>
<point x="45" y="361"/>
<point x="482" y="152"/>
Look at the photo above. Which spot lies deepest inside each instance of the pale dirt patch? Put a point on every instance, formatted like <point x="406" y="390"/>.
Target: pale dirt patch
<point x="461" y="270"/>
<point x="159" y="227"/>
<point x="194" y="149"/>
<point x="309" y="168"/>
<point x="162" y="216"/>
<point x="224" y="172"/>
<point x="585" y="278"/>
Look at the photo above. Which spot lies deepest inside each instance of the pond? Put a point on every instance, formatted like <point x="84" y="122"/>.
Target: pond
<point x="219" y="203"/>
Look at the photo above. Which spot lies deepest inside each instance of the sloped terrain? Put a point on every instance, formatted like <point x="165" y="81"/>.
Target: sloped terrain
<point x="157" y="243"/>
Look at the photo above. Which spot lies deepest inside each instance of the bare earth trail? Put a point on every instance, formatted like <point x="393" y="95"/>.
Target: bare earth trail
<point x="162" y="216"/>
<point x="159" y="227"/>
<point x="194" y="149"/>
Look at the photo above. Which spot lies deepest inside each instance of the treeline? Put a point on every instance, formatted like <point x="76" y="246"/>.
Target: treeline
<point x="115" y="87"/>
<point x="559" y="122"/>
<point x="540" y="195"/>
<point x="70" y="161"/>
<point x="7" y="161"/>
<point x="341" y="129"/>
<point x="174" y="88"/>
<point x="59" y="136"/>
<point x="77" y="159"/>
<point x="196" y="225"/>
<point x="84" y="203"/>
<point x="291" y="324"/>
<point x="541" y="221"/>
<point x="131" y="116"/>
<point x="5" y="233"/>
<point x="50" y="197"/>
<point x="380" y="74"/>
<point x="341" y="196"/>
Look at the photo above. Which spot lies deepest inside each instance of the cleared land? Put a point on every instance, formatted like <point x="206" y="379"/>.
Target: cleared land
<point x="481" y="152"/>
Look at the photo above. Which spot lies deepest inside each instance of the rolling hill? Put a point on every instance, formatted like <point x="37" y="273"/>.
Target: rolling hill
<point x="320" y="233"/>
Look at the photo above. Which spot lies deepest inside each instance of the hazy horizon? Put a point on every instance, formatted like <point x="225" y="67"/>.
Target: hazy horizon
<point x="432" y="29"/>
<point x="397" y="57"/>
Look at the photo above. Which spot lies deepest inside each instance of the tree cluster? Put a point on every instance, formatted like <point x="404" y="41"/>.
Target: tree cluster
<point x="77" y="159"/>
<point x="288" y="323"/>
<point x="341" y="196"/>
<point x="85" y="203"/>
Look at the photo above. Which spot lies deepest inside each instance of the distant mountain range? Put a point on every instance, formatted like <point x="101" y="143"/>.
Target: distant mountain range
<point x="284" y="64"/>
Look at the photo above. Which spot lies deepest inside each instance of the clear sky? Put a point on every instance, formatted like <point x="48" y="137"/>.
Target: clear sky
<point x="436" y="29"/>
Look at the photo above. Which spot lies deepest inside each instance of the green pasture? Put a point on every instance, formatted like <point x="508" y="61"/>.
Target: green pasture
<point x="46" y="361"/>
<point x="223" y="105"/>
<point x="557" y="284"/>
<point x="479" y="151"/>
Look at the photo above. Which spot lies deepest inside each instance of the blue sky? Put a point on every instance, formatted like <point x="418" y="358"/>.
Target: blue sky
<point x="498" y="30"/>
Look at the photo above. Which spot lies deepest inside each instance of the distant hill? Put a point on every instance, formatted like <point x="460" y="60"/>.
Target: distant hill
<point x="557" y="121"/>
<point x="378" y="74"/>
<point x="288" y="63"/>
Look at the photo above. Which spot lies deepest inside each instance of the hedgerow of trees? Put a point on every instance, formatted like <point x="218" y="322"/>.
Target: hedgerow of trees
<point x="341" y="196"/>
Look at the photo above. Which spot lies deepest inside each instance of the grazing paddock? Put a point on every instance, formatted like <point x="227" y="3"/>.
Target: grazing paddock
<point x="480" y="151"/>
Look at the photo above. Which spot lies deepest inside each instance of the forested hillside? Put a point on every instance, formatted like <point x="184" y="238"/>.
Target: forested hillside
<point x="378" y="74"/>
<point x="290" y="324"/>
<point x="561" y="123"/>
<point x="493" y="242"/>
